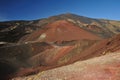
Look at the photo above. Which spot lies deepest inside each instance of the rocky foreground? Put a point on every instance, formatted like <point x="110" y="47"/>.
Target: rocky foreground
<point x="100" y="68"/>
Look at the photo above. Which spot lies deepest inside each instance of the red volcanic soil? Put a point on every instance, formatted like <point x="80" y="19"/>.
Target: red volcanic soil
<point x="59" y="31"/>
<point x="63" y="55"/>
<point x="55" y="57"/>
<point x="50" y="57"/>
<point x="100" y="48"/>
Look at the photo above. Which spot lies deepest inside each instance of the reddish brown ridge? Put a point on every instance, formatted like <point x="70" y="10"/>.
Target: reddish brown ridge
<point x="59" y="31"/>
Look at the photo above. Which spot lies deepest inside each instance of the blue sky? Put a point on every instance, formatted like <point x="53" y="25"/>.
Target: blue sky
<point x="36" y="9"/>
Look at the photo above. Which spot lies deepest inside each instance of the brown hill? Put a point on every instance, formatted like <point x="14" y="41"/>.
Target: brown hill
<point x="60" y="31"/>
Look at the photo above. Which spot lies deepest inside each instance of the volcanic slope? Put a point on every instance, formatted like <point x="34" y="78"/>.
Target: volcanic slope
<point x="37" y="56"/>
<point x="105" y="67"/>
<point x="68" y="54"/>
<point x="60" y="31"/>
<point x="63" y="51"/>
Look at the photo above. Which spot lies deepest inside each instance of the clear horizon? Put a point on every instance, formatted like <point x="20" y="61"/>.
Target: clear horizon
<point x="37" y="9"/>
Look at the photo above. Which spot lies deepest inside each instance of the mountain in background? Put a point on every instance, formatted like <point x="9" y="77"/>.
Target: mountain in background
<point x="12" y="31"/>
<point x="29" y="47"/>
